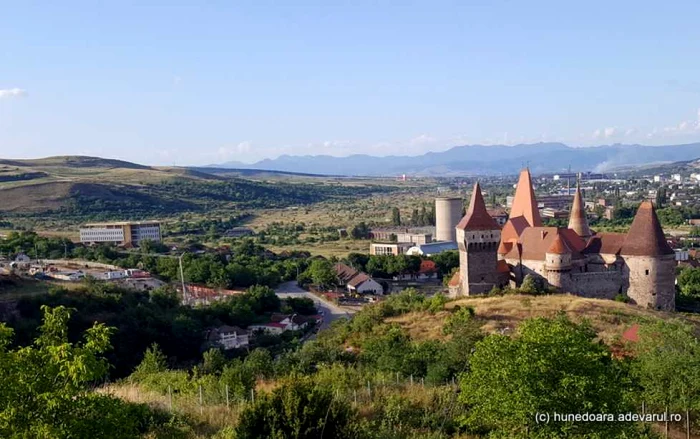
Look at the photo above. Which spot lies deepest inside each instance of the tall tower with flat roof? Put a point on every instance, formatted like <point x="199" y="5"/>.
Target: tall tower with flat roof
<point x="448" y="212"/>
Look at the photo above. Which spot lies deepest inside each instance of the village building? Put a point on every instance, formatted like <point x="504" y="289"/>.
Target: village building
<point x="499" y="215"/>
<point x="389" y="248"/>
<point x="432" y="248"/>
<point x="574" y="259"/>
<point x="229" y="337"/>
<point x="280" y="323"/>
<point x="357" y="281"/>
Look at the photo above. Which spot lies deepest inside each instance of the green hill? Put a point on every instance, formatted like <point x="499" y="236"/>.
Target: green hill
<point x="95" y="188"/>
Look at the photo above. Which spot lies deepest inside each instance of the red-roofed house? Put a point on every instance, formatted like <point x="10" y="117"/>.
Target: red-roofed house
<point x="356" y="281"/>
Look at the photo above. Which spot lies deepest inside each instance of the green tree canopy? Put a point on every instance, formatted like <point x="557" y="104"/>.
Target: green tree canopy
<point x="549" y="366"/>
<point x="297" y="409"/>
<point x="46" y="386"/>
<point x="322" y="273"/>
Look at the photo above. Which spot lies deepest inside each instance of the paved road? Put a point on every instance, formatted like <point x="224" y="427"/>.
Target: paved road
<point x="330" y="310"/>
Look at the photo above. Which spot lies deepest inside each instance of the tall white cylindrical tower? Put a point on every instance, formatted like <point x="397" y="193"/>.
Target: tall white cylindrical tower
<point x="448" y="212"/>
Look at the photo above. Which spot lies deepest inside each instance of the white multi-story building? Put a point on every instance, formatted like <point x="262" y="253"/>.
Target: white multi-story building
<point x="122" y="233"/>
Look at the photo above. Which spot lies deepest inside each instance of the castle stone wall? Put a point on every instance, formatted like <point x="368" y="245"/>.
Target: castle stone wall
<point x="651" y="281"/>
<point x="597" y="285"/>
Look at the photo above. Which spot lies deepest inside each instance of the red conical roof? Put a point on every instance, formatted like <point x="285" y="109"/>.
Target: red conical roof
<point x="577" y="220"/>
<point x="504" y="247"/>
<point x="477" y="218"/>
<point x="645" y="237"/>
<point x="524" y="202"/>
<point x="558" y="247"/>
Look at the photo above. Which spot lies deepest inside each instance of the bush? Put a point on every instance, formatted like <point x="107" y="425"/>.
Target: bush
<point x="622" y="298"/>
<point x="298" y="409"/>
<point x="154" y="361"/>
<point x="533" y="285"/>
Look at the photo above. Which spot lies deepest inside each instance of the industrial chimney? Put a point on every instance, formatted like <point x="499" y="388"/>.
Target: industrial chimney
<point x="448" y="212"/>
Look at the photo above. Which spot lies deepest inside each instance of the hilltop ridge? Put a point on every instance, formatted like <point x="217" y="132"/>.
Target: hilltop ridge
<point x="483" y="160"/>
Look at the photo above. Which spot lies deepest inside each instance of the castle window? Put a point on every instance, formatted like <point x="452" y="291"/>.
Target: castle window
<point x="646" y="272"/>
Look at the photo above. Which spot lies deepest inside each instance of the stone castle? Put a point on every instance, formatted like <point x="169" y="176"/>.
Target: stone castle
<point x="639" y="263"/>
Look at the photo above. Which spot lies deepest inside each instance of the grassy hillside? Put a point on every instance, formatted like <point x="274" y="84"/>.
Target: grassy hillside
<point x="503" y="314"/>
<point x="82" y="188"/>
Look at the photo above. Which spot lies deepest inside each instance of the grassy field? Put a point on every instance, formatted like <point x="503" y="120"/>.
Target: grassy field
<point x="328" y="249"/>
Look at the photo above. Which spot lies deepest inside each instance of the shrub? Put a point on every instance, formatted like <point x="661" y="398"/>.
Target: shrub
<point x="299" y="409"/>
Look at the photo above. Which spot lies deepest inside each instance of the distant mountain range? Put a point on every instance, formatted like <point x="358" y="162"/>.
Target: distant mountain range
<point x="482" y="160"/>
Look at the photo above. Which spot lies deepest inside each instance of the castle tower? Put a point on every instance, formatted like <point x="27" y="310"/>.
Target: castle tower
<point x="524" y="202"/>
<point x="448" y="212"/>
<point x="577" y="220"/>
<point x="649" y="261"/>
<point x="478" y="236"/>
<point x="558" y="263"/>
<point x="523" y="212"/>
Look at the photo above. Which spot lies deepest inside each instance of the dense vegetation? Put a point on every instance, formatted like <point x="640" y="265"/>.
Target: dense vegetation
<point x="91" y="201"/>
<point x="46" y="388"/>
<point x="244" y="264"/>
<point x="143" y="318"/>
<point x="363" y="378"/>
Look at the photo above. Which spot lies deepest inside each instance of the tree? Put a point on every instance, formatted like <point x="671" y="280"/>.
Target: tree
<point x="358" y="260"/>
<point x="46" y="385"/>
<point x="360" y="231"/>
<point x="322" y="273"/>
<point x="154" y="361"/>
<point x="415" y="219"/>
<point x="550" y="366"/>
<point x="259" y="363"/>
<point x="446" y="261"/>
<point x="667" y="365"/>
<point x="395" y="216"/>
<point x="689" y="282"/>
<point x="660" y="197"/>
<point x="213" y="361"/>
<point x="297" y="409"/>
<point x="532" y="285"/>
<point x="262" y="299"/>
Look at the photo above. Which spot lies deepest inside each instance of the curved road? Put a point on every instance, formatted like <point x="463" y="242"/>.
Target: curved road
<point x="330" y="310"/>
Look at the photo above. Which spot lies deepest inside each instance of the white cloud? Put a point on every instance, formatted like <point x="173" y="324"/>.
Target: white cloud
<point x="234" y="151"/>
<point x="423" y="139"/>
<point x="177" y="80"/>
<point x="12" y="93"/>
<point x="607" y="133"/>
<point x="332" y="144"/>
<point x="630" y="132"/>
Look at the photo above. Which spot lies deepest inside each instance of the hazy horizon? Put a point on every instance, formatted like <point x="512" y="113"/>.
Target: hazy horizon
<point x="196" y="85"/>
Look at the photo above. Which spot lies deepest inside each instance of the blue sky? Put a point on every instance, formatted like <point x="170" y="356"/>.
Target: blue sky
<point x="174" y="83"/>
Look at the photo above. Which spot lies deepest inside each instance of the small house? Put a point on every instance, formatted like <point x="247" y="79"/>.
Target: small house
<point x="228" y="337"/>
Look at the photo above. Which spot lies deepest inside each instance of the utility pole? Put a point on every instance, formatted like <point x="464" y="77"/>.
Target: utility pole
<point x="185" y="299"/>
